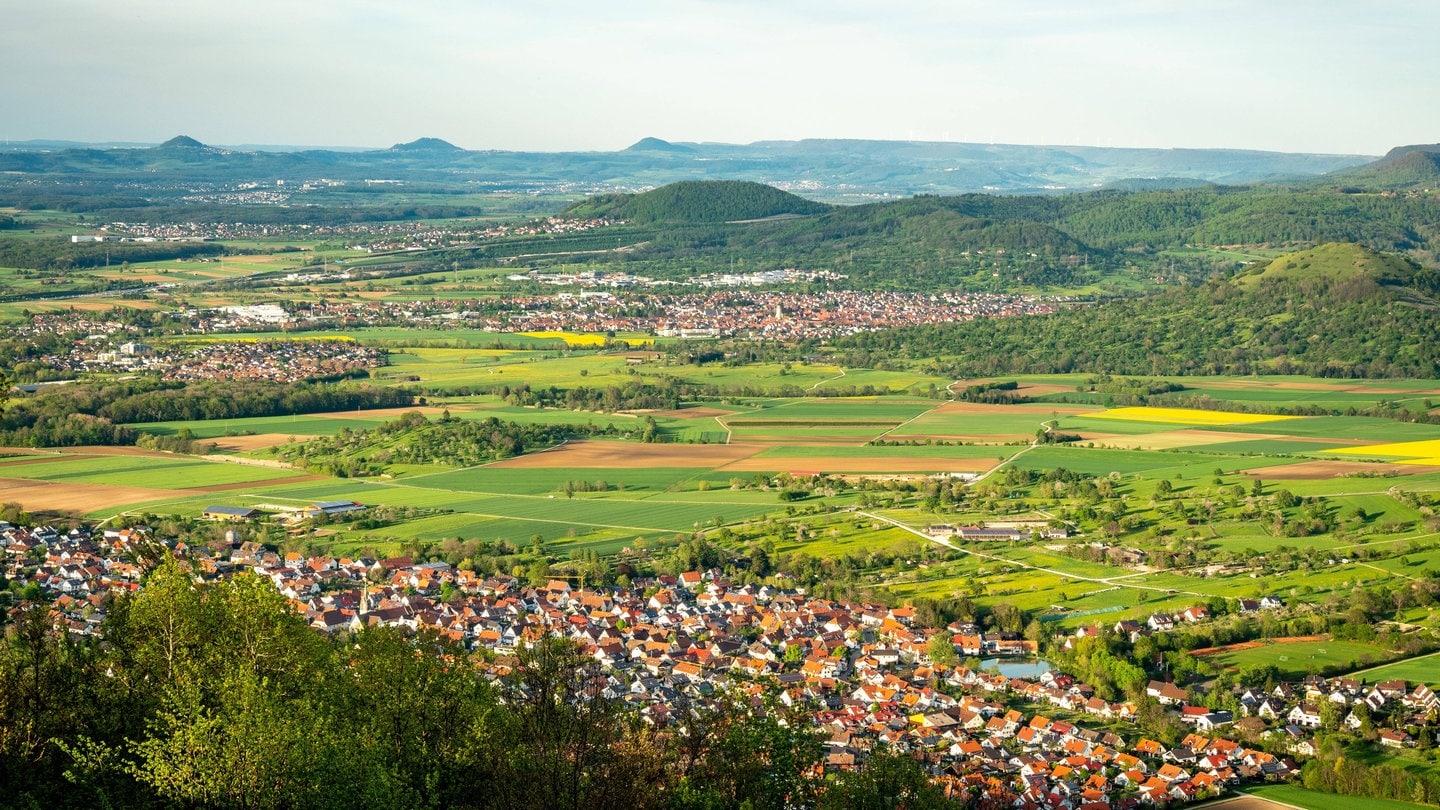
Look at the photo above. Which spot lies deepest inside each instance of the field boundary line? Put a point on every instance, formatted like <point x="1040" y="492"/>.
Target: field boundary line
<point x="720" y="420"/>
<point x="903" y="424"/>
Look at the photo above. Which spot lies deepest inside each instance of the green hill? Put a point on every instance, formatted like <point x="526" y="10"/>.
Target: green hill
<point x="1336" y="311"/>
<point x="658" y="145"/>
<point x="700" y="201"/>
<point x="1405" y="167"/>
<point x="1339" y="263"/>
<point x="181" y="142"/>
<point x="428" y="146"/>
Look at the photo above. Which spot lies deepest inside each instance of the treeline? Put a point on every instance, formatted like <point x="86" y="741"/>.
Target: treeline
<point x="996" y="393"/>
<point x="413" y="439"/>
<point x="243" y="399"/>
<point x="62" y="254"/>
<point x="220" y="695"/>
<point x="1351" y="777"/>
<point x="630" y="395"/>
<point x="1215" y="328"/>
<point x="61" y="416"/>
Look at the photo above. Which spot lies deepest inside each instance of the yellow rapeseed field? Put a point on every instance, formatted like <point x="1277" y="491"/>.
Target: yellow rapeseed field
<point x="1185" y="416"/>
<point x="570" y="338"/>
<point x="1423" y="452"/>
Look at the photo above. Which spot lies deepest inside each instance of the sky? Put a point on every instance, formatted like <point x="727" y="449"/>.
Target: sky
<point x="553" y="75"/>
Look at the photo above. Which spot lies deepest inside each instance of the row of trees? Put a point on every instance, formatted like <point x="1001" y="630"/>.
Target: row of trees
<point x="413" y="439"/>
<point x="95" y="414"/>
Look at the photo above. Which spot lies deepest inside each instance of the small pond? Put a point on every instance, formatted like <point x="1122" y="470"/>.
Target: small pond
<point x="1017" y="667"/>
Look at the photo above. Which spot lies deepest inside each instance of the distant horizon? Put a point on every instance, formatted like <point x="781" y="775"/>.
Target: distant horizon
<point x="1324" y="77"/>
<point x="116" y="143"/>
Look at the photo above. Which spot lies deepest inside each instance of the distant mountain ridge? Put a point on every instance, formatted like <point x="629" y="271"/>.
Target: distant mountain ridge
<point x="825" y="169"/>
<point x="1402" y="168"/>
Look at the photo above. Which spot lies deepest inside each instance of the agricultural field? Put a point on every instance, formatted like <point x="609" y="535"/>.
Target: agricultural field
<point x="1290" y="796"/>
<point x="1425" y="452"/>
<point x="1297" y="658"/>
<point x="983" y="423"/>
<point x="1424" y="669"/>
<point x="154" y="471"/>
<point x="715" y="461"/>
<point x="1186" y="416"/>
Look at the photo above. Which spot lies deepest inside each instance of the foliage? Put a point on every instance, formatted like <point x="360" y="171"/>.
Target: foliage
<point x="699" y="201"/>
<point x="94" y="414"/>
<point x="1343" y="326"/>
<point x="413" y="439"/>
<point x="220" y="695"/>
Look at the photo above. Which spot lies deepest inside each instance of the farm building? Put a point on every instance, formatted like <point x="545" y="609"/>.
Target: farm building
<point x="332" y="508"/>
<point x="1014" y="532"/>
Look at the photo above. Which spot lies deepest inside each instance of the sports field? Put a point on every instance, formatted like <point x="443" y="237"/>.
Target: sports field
<point x="1302" y="657"/>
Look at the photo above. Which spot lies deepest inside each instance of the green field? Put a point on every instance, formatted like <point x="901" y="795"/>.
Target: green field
<point x="285" y="425"/>
<point x="1367" y="428"/>
<point x="1315" y="800"/>
<point x="1083" y="424"/>
<point x="1425" y="669"/>
<point x="838" y="409"/>
<point x="1302" y="657"/>
<point x="1024" y="422"/>
<point x="1095" y="461"/>
<point x="535" y="481"/>
<point x="151" y="472"/>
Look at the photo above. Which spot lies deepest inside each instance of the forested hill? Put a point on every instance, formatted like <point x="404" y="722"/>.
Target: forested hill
<point x="1339" y="310"/>
<point x="987" y="242"/>
<point x="1404" y="168"/>
<point x="699" y="201"/>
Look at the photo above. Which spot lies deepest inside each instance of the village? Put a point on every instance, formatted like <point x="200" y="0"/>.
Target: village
<point x="107" y="345"/>
<point x="275" y="361"/>
<point x="370" y="237"/>
<point x="761" y="313"/>
<point x="865" y="675"/>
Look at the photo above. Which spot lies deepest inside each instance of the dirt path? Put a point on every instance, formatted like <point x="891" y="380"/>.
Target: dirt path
<point x="826" y="380"/>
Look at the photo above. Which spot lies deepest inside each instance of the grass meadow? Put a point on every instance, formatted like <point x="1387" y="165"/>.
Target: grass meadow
<point x="1315" y="800"/>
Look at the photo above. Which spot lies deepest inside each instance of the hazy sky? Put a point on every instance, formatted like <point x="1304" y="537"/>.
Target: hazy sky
<point x="1290" y="75"/>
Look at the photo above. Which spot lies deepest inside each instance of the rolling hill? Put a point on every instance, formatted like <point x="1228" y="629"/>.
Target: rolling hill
<point x="1342" y="263"/>
<point x="700" y="201"/>
<point x="1339" y="310"/>
<point x="1402" y="168"/>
